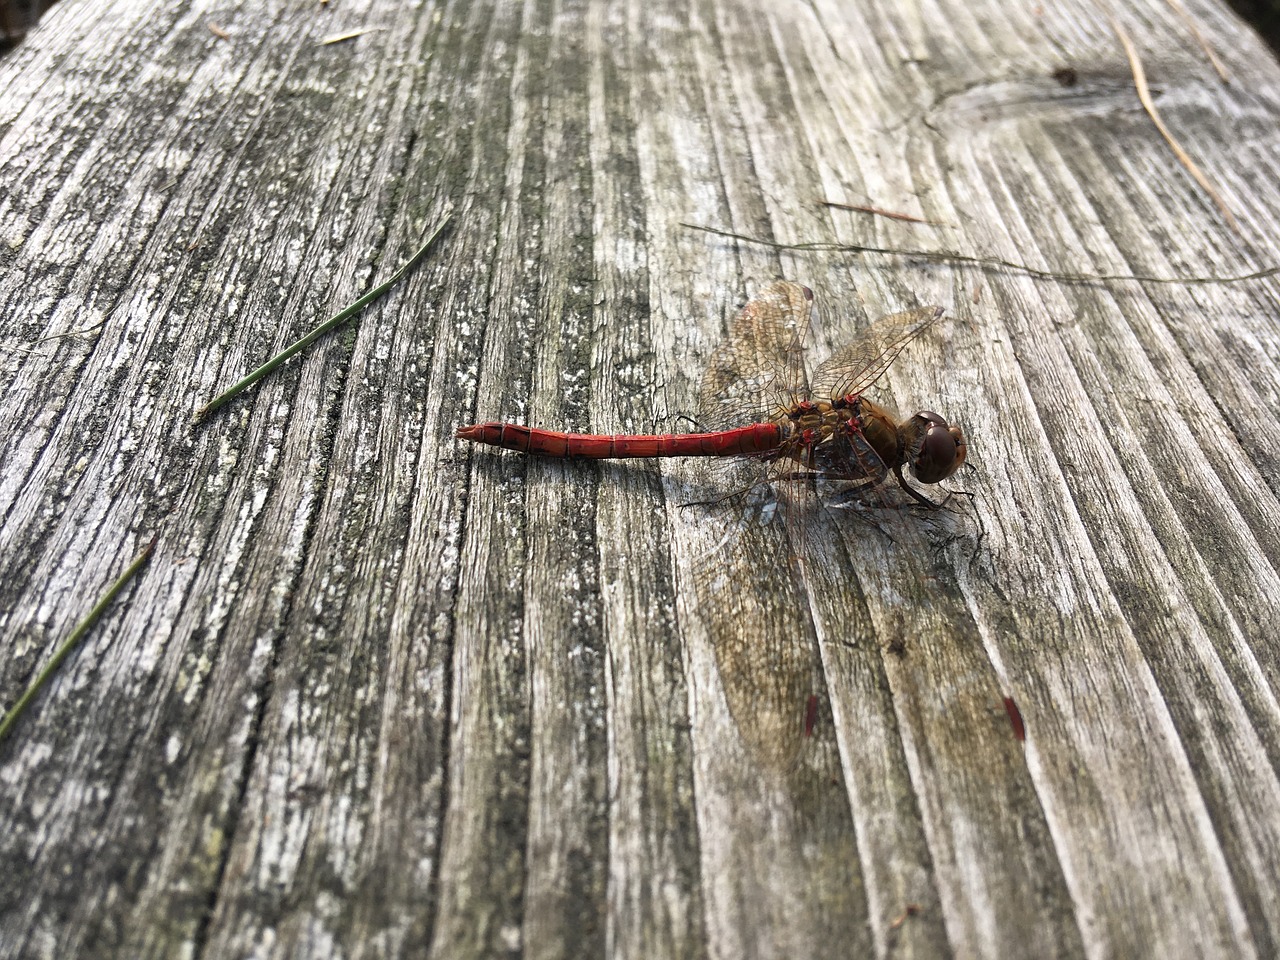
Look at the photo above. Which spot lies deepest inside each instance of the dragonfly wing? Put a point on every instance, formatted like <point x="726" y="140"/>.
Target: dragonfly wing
<point x="759" y="369"/>
<point x="859" y="365"/>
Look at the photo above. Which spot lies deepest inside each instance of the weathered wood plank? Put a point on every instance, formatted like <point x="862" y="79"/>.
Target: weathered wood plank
<point x="381" y="694"/>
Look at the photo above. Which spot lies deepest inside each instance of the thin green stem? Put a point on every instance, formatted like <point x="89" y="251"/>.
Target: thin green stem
<point x="334" y="321"/>
<point x="70" y="643"/>
<point x="949" y="257"/>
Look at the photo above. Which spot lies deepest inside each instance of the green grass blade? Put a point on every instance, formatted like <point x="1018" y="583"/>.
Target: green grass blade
<point x="334" y="321"/>
<point x="70" y="643"/>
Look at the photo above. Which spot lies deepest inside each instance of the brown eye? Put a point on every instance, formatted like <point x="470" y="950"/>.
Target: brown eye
<point x="942" y="449"/>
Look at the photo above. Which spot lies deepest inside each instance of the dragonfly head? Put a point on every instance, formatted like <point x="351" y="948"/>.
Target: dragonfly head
<point x="933" y="448"/>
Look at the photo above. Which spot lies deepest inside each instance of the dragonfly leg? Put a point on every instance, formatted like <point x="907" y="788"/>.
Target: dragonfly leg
<point x="902" y="482"/>
<point x="694" y="424"/>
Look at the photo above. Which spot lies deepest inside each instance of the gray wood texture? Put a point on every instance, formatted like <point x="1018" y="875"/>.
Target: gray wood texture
<point x="383" y="694"/>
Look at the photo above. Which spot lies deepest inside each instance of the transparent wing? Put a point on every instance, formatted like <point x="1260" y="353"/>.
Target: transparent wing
<point x="760" y="366"/>
<point x="859" y="365"/>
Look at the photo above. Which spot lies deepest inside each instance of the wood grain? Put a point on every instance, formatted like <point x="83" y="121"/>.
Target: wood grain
<point x="382" y="694"/>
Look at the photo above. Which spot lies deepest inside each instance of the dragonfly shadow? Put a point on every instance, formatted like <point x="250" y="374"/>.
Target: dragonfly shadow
<point x="754" y="593"/>
<point x="751" y="598"/>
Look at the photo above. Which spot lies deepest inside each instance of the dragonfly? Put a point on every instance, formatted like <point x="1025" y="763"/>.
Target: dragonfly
<point x="756" y="404"/>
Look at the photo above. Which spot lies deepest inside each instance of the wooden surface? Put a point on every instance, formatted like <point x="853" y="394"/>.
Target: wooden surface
<point x="382" y="694"/>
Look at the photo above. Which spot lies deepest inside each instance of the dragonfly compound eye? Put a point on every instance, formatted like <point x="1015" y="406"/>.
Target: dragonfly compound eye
<point x="936" y="450"/>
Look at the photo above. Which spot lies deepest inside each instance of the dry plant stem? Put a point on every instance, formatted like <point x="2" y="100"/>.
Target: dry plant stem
<point x="70" y="333"/>
<point x="891" y="214"/>
<point x="945" y="256"/>
<point x="340" y="37"/>
<point x="1199" y="38"/>
<point x="1144" y="94"/>
<point x="334" y="321"/>
<point x="70" y="643"/>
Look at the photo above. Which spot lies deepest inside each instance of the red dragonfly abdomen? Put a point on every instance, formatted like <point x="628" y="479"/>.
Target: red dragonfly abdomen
<point x="756" y="438"/>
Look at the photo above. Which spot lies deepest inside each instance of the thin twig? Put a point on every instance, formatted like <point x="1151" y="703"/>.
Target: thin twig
<point x="70" y="333"/>
<point x="1194" y="30"/>
<point x="241" y="385"/>
<point x="891" y="214"/>
<point x="1140" y="82"/>
<point x="946" y="256"/>
<point x="341" y="37"/>
<point x="53" y="336"/>
<point x="70" y="643"/>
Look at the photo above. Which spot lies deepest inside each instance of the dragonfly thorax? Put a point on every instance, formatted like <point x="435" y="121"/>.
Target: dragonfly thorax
<point x="853" y="438"/>
<point x="823" y="435"/>
<point x="877" y="426"/>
